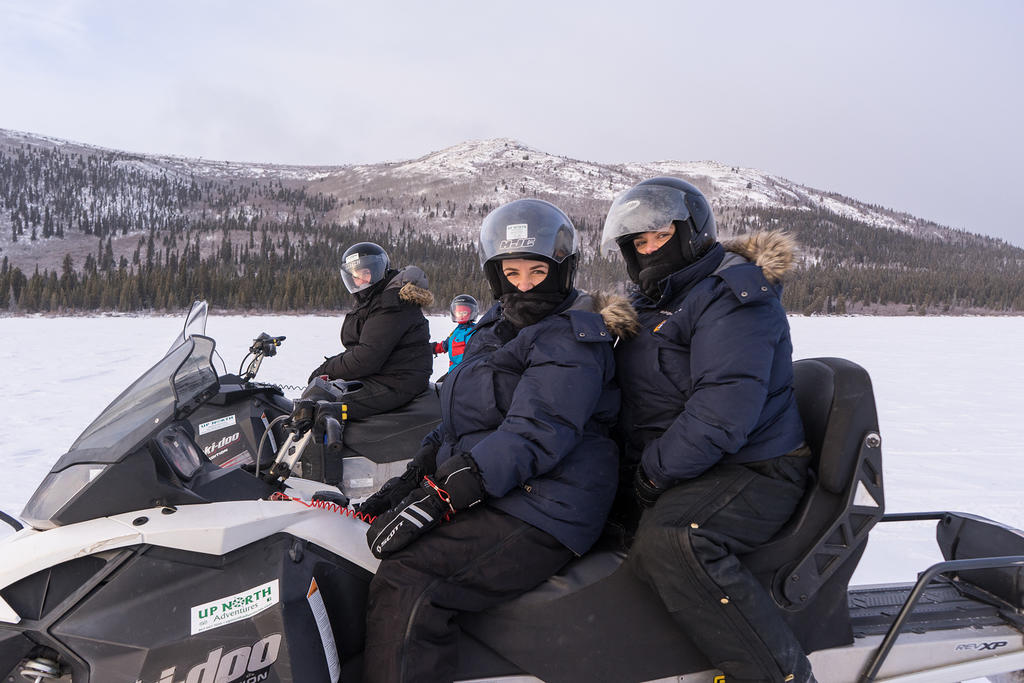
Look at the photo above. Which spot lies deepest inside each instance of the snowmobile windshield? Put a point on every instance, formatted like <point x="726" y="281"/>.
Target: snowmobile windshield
<point x="170" y="389"/>
<point x="644" y="208"/>
<point x="195" y="323"/>
<point x="182" y="380"/>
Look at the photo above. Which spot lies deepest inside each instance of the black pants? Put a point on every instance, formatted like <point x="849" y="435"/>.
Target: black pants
<point x="686" y="549"/>
<point x="482" y="558"/>
<point x="374" y="398"/>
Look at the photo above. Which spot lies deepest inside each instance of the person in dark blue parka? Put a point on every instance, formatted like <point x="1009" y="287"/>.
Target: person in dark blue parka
<point x="521" y="473"/>
<point x="709" y="422"/>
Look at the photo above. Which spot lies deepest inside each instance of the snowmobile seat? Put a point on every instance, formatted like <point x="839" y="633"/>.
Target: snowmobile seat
<point x="808" y="565"/>
<point x="595" y="621"/>
<point x="396" y="434"/>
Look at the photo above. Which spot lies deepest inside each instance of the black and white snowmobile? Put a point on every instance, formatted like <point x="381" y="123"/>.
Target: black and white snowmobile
<point x="143" y="562"/>
<point x="242" y="423"/>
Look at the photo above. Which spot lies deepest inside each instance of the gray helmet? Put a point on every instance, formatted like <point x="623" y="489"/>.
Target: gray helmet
<point x="364" y="256"/>
<point x="654" y="204"/>
<point x="531" y="229"/>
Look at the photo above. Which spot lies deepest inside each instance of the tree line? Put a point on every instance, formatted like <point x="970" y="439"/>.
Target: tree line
<point x="163" y="239"/>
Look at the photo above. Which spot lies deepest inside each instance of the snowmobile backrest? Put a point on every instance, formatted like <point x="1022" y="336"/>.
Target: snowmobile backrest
<point x="844" y="500"/>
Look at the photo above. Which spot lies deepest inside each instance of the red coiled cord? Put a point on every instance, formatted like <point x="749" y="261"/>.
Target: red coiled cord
<point x="329" y="506"/>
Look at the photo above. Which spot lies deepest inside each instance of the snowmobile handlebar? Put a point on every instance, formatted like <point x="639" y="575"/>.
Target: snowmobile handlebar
<point x="262" y="347"/>
<point x="265" y="345"/>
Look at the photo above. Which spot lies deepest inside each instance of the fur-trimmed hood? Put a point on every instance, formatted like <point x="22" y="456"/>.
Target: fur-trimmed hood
<point x="773" y="250"/>
<point x="412" y="286"/>
<point x="618" y="314"/>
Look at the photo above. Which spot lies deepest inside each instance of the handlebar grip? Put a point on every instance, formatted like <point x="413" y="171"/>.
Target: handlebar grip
<point x="332" y="434"/>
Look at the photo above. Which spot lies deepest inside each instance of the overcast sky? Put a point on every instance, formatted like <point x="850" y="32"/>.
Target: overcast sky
<point x="917" y="106"/>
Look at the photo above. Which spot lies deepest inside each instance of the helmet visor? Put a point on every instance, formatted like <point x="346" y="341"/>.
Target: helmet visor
<point x="359" y="272"/>
<point x="644" y="208"/>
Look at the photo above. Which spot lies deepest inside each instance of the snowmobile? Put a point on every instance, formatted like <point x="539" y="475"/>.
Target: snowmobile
<point x="241" y="424"/>
<point x="143" y="562"/>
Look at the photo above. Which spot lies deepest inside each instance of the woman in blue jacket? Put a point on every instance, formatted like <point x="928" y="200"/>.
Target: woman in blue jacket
<point x="709" y="421"/>
<point x="520" y="474"/>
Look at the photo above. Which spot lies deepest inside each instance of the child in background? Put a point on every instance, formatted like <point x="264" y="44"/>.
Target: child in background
<point x="464" y="309"/>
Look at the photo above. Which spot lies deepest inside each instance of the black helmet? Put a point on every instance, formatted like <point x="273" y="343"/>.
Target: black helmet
<point x="463" y="301"/>
<point x="528" y="228"/>
<point x="365" y="256"/>
<point x="652" y="205"/>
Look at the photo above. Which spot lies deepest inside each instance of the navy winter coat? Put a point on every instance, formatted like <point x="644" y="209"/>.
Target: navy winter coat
<point x="534" y="409"/>
<point x="709" y="377"/>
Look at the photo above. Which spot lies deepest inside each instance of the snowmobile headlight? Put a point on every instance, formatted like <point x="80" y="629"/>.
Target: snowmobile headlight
<point x="179" y="451"/>
<point x="56" y="491"/>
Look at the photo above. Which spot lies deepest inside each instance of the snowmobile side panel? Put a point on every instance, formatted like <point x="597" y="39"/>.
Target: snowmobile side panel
<point x="247" y="615"/>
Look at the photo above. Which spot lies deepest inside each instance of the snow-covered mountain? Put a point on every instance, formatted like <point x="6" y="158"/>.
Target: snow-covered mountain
<point x="490" y="172"/>
<point x="132" y="223"/>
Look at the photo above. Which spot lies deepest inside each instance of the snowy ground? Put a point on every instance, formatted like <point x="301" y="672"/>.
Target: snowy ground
<point x="950" y="394"/>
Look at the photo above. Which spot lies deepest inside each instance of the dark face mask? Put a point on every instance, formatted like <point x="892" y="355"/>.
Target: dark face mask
<point x="658" y="265"/>
<point x="522" y="309"/>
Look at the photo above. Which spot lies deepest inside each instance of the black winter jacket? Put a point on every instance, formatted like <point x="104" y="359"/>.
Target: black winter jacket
<point x="386" y="337"/>
<point x="709" y="378"/>
<point x="533" y="408"/>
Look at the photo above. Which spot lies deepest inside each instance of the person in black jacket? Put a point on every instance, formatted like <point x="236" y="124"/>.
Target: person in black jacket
<point x="709" y="422"/>
<point x="386" y="337"/>
<point x="520" y="474"/>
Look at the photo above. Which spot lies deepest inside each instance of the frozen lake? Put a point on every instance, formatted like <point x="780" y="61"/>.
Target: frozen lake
<point x="950" y="395"/>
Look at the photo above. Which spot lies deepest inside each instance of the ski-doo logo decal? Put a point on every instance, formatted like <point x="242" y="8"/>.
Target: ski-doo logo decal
<point x="243" y="665"/>
<point x="214" y="425"/>
<point x="223" y="443"/>
<point x="235" y="607"/>
<point x="993" y="645"/>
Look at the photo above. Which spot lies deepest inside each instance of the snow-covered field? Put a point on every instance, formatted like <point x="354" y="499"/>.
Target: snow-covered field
<point x="950" y="394"/>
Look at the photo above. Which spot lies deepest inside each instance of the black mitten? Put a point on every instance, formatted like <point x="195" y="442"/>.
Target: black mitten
<point x="320" y="370"/>
<point x="392" y="492"/>
<point x="459" y="477"/>
<point x="418" y="513"/>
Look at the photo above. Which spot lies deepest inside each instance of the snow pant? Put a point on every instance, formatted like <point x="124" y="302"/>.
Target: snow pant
<point x="375" y="397"/>
<point x="685" y="550"/>
<point x="480" y="559"/>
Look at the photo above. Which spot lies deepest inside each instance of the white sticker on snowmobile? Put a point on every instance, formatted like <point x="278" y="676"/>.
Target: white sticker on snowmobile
<point x="214" y="425"/>
<point x="517" y="231"/>
<point x="323" y="624"/>
<point x="235" y="607"/>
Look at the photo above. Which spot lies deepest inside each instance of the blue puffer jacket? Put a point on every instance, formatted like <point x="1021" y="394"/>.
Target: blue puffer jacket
<point x="534" y="409"/>
<point x="709" y="378"/>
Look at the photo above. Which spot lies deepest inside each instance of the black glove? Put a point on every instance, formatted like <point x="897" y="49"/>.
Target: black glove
<point x="418" y="513"/>
<point x="645" y="490"/>
<point x="393" y="491"/>
<point x="426" y="458"/>
<point x="459" y="486"/>
<point x="320" y="370"/>
<point x="460" y="478"/>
